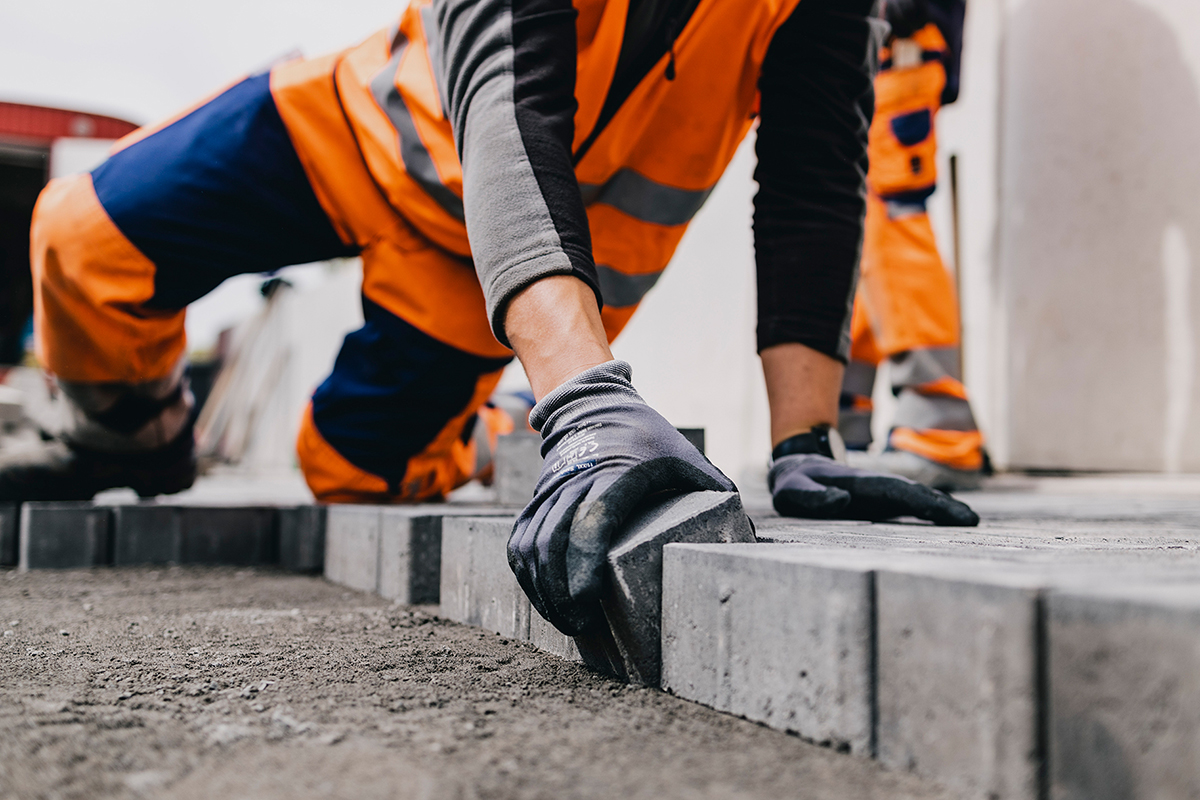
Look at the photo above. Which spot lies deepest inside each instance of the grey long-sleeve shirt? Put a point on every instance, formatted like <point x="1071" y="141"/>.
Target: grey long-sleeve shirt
<point x="508" y="77"/>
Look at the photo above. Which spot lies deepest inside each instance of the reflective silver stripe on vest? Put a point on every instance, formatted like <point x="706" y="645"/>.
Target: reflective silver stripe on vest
<point x="433" y="44"/>
<point x="925" y="365"/>
<point x="644" y="199"/>
<point x="933" y="412"/>
<point x="620" y="290"/>
<point x="417" y="161"/>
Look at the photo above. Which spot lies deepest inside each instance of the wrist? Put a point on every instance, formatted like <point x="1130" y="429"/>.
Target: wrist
<point x="555" y="329"/>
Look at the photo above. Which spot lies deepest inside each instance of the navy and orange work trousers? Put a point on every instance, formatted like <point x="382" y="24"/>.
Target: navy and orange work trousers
<point x="906" y="307"/>
<point x="264" y="175"/>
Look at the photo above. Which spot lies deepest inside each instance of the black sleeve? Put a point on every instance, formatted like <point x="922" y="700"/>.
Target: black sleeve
<point x="817" y="102"/>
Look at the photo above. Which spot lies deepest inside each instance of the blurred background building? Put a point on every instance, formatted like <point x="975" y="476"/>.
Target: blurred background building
<point x="1069" y="209"/>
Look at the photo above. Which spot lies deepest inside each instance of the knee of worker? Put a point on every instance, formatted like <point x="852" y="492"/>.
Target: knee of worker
<point x="394" y="420"/>
<point x="89" y="285"/>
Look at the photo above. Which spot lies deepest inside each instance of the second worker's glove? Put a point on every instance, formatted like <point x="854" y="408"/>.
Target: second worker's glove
<point x="605" y="451"/>
<point x="807" y="480"/>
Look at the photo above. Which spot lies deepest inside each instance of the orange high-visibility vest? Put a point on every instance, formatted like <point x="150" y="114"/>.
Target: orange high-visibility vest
<point x="644" y="177"/>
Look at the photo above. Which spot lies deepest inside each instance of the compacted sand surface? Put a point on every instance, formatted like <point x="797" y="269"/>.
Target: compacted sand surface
<point x="225" y="684"/>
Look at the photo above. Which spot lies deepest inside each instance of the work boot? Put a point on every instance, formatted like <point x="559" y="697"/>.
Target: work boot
<point x="138" y="436"/>
<point x="59" y="470"/>
<point x="914" y="467"/>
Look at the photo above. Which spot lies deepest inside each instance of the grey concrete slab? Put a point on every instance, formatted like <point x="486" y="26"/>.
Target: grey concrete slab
<point x="64" y="536"/>
<point x="147" y="533"/>
<point x="518" y="464"/>
<point x="632" y="599"/>
<point x="958" y="677"/>
<point x="776" y="634"/>
<point x="1124" y="691"/>
<point x="302" y="537"/>
<point x="9" y="534"/>
<point x="352" y="546"/>
<point x="545" y="636"/>
<point x="229" y="535"/>
<point x="477" y="585"/>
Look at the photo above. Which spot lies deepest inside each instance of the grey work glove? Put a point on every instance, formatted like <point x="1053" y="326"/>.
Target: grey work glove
<point x="807" y="481"/>
<point x="605" y="451"/>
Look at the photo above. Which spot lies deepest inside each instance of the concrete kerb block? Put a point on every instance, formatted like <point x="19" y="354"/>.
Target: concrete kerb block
<point x="410" y="549"/>
<point x="352" y="546"/>
<point x="147" y="533"/>
<point x="236" y="535"/>
<point x="10" y="518"/>
<point x="518" y="464"/>
<point x="477" y="585"/>
<point x="1124" y="691"/>
<point x="64" y="536"/>
<point x="302" y="538"/>
<point x="959" y="686"/>
<point x="632" y="599"/>
<point x="776" y="634"/>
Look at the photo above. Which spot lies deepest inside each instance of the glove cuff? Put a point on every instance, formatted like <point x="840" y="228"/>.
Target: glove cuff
<point x="821" y="440"/>
<point x="592" y="388"/>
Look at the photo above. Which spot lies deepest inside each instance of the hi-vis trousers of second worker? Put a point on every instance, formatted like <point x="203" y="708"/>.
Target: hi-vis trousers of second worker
<point x="906" y="309"/>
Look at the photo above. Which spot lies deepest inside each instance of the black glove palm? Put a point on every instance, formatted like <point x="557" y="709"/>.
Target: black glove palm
<point x="605" y="451"/>
<point x="806" y="481"/>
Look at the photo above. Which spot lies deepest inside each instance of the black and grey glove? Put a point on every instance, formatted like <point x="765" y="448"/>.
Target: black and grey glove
<point x="808" y="480"/>
<point x="605" y="451"/>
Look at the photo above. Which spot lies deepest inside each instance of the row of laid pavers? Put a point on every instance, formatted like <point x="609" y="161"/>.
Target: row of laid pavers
<point x="65" y="535"/>
<point x="1000" y="662"/>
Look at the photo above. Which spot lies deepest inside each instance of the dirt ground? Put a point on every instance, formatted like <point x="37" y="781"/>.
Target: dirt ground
<point x="224" y="683"/>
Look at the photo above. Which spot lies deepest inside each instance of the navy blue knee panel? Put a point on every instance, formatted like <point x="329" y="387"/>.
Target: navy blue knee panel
<point x="217" y="193"/>
<point x="392" y="390"/>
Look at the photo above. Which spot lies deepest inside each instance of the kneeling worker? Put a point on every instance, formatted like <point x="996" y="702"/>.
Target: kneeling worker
<point x="515" y="174"/>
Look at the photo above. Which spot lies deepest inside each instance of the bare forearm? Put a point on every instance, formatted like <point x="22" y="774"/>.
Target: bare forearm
<point x="802" y="388"/>
<point x="555" y="329"/>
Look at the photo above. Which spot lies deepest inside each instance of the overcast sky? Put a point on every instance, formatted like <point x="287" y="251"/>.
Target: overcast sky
<point x="145" y="59"/>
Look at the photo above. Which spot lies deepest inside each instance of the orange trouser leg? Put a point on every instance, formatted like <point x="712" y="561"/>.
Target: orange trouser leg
<point x="90" y="284"/>
<point x="907" y="302"/>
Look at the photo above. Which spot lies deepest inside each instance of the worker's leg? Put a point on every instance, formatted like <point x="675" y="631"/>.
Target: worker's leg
<point x="910" y="298"/>
<point x="404" y="416"/>
<point x="116" y="257"/>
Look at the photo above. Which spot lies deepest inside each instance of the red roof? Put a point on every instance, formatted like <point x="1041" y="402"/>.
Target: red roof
<point x="47" y="124"/>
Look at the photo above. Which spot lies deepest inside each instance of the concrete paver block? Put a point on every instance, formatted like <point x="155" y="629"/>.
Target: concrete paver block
<point x="632" y="599"/>
<point x="244" y="536"/>
<point x="64" y="536"/>
<point x="545" y="636"/>
<point x="352" y="546"/>
<point x="410" y="556"/>
<point x="773" y="633"/>
<point x="1124" y="687"/>
<point x="9" y="535"/>
<point x="477" y="585"/>
<point x="518" y="464"/>
<point x="147" y="533"/>
<point x="302" y="538"/>
<point x="958" y="677"/>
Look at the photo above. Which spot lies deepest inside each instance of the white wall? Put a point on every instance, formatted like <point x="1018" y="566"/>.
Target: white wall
<point x="1100" y="229"/>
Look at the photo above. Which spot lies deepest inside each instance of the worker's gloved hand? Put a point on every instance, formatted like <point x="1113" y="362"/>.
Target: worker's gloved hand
<point x="605" y="451"/>
<point x="806" y="480"/>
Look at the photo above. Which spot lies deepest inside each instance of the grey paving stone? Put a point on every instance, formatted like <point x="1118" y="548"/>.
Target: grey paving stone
<point x="776" y="634"/>
<point x="147" y="533"/>
<point x="352" y="546"/>
<point x="302" y="538"/>
<point x="958" y="677"/>
<point x="477" y="585"/>
<point x="64" y="536"/>
<point x="518" y="465"/>
<point x="632" y="600"/>
<point x="1124" y="687"/>
<point x="9" y="534"/>
<point x="229" y="535"/>
<point x="545" y="636"/>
